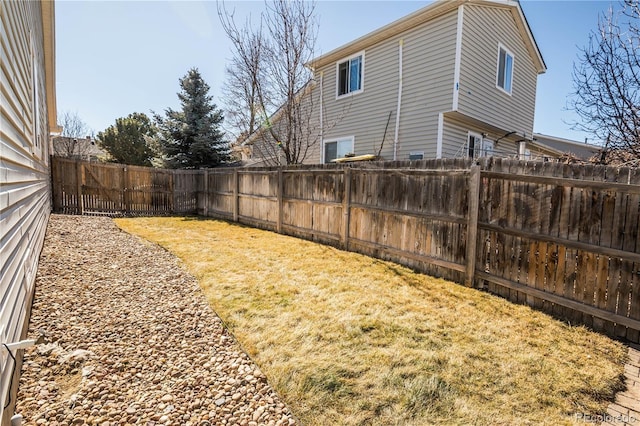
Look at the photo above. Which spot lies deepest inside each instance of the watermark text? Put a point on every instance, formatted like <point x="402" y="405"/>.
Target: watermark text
<point x="608" y="418"/>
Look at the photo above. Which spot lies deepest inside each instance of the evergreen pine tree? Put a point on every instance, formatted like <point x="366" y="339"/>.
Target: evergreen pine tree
<point x="191" y="138"/>
<point x="128" y="141"/>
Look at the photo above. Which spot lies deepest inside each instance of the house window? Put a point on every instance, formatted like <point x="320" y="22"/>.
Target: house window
<point x="416" y="155"/>
<point x="505" y="69"/>
<point x="337" y="148"/>
<point x="478" y="147"/>
<point x="474" y="145"/>
<point x="487" y="148"/>
<point x="350" y="74"/>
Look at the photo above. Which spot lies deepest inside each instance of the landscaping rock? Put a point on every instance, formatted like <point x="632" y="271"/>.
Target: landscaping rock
<point x="133" y="340"/>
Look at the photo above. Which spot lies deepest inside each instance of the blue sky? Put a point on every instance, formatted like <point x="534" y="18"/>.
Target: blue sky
<point x="119" y="57"/>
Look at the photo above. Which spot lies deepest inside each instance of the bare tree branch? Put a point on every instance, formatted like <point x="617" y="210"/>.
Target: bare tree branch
<point x="607" y="81"/>
<point x="72" y="141"/>
<point x="244" y="75"/>
<point x="269" y="65"/>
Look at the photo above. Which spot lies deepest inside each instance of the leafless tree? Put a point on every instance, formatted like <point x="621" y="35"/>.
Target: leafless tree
<point x="270" y="60"/>
<point x="71" y="142"/>
<point x="243" y="114"/>
<point x="607" y="81"/>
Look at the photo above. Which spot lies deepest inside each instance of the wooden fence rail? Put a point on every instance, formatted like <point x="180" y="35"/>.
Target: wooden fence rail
<point x="115" y="189"/>
<point x="564" y="239"/>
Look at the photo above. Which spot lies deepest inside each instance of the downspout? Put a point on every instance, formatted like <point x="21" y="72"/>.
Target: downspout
<point x="458" y="59"/>
<point x="397" y="132"/>
<point x="321" y="117"/>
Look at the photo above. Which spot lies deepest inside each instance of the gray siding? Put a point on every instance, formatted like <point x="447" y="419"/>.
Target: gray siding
<point x="24" y="167"/>
<point x="484" y="28"/>
<point x="428" y="64"/>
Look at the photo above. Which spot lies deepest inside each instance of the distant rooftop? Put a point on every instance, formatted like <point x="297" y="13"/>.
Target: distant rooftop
<point x="581" y="150"/>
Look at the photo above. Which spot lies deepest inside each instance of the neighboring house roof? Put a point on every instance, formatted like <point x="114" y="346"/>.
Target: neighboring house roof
<point x="86" y="148"/>
<point x="426" y="14"/>
<point x="560" y="146"/>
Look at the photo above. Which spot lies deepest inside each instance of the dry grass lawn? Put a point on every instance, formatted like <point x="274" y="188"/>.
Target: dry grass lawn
<point x="350" y="340"/>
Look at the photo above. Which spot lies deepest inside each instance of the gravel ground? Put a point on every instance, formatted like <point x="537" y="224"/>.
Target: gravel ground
<point x="132" y="340"/>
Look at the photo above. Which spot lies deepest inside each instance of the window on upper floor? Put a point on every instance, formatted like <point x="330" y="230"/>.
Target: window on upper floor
<point x="350" y="75"/>
<point x="505" y="69"/>
<point x="337" y="148"/>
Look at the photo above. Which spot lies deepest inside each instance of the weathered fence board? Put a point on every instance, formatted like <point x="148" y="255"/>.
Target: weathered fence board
<point x="561" y="238"/>
<point x="114" y="189"/>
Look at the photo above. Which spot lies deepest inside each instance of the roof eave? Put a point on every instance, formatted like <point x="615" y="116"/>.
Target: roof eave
<point x="49" y="44"/>
<point x="390" y="30"/>
<point x="532" y="45"/>
<point x="426" y="14"/>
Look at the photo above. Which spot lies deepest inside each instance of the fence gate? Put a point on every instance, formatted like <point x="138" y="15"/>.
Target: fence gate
<point x="115" y="189"/>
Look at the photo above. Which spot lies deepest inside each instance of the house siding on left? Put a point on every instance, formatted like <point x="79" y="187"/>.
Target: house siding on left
<point x="27" y="106"/>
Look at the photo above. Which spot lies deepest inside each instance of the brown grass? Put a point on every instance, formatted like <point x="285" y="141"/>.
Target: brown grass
<point x="347" y="339"/>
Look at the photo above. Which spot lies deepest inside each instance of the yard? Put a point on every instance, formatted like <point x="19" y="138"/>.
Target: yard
<point x="347" y="339"/>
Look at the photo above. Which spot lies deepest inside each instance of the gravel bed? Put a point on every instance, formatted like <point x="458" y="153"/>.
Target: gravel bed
<point x="132" y="340"/>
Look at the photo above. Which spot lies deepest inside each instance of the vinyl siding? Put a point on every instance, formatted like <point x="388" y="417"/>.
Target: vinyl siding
<point x="365" y="114"/>
<point x="484" y="28"/>
<point x="265" y="146"/>
<point x="456" y="132"/>
<point x="428" y="63"/>
<point x="454" y="138"/>
<point x="24" y="167"/>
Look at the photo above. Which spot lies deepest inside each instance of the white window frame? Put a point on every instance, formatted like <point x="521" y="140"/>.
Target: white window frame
<point x="350" y="139"/>
<point x="485" y="148"/>
<point x="349" y="59"/>
<point x="502" y="47"/>
<point x="477" y="150"/>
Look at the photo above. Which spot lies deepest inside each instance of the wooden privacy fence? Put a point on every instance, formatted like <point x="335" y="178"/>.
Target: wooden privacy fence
<point x="562" y="238"/>
<point x="115" y="189"/>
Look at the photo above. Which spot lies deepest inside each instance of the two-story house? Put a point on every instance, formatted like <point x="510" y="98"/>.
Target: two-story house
<point x="456" y="78"/>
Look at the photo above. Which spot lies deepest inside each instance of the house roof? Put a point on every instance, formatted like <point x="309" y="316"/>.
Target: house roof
<point x="427" y="14"/>
<point x="84" y="147"/>
<point x="581" y="150"/>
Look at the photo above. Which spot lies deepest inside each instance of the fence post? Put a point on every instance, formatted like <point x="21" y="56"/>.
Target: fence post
<point x="280" y="196"/>
<point x="205" y="209"/>
<point x="172" y="192"/>
<point x="79" y="180"/>
<point x="346" y="208"/>
<point x="236" y="190"/>
<point x="472" y="225"/>
<point x="56" y="184"/>
<point x="126" y="197"/>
